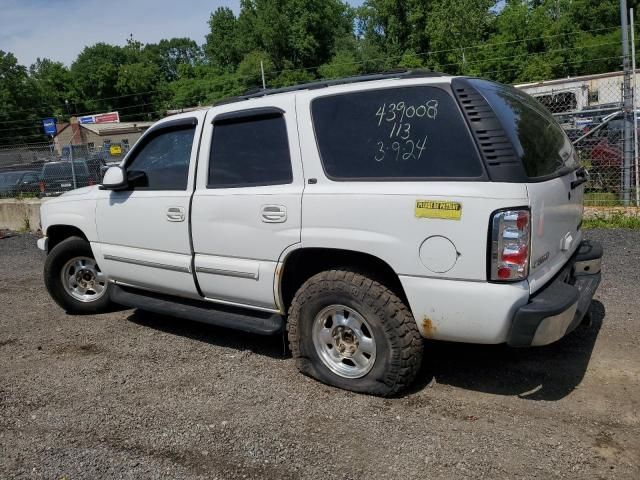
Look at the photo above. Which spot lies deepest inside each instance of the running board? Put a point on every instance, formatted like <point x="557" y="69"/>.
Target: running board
<point x="251" y="321"/>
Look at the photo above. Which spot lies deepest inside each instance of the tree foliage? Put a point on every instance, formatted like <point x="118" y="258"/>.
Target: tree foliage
<point x="303" y="40"/>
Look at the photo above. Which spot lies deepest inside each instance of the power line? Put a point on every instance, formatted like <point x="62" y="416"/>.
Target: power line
<point x="466" y="63"/>
<point x="556" y="63"/>
<point x="485" y="72"/>
<point x="276" y="72"/>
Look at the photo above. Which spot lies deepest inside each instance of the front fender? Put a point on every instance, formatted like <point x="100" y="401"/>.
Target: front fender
<point x="73" y="212"/>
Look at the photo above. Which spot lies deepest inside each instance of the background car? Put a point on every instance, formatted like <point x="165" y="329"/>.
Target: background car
<point x="15" y="183"/>
<point x="58" y="177"/>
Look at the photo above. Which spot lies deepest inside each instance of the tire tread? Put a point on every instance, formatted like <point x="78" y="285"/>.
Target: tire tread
<point x="398" y="324"/>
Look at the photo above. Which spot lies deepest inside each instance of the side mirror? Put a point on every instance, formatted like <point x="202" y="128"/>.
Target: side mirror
<point x="137" y="178"/>
<point x="114" y="179"/>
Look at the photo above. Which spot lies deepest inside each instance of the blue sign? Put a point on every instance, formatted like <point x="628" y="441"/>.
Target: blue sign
<point x="87" y="119"/>
<point x="49" y="125"/>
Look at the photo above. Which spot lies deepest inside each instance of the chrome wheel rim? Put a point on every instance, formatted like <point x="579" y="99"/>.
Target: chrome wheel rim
<point x="83" y="280"/>
<point x="344" y="341"/>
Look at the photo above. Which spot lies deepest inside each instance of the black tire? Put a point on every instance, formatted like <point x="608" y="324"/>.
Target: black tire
<point x="56" y="260"/>
<point x="398" y="343"/>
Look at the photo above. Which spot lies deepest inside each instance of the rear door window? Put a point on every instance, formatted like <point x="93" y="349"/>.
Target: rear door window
<point x="539" y="140"/>
<point x="406" y="133"/>
<point x="249" y="152"/>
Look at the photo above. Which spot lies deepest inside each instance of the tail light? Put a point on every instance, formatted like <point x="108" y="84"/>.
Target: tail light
<point x="41" y="185"/>
<point x="510" y="245"/>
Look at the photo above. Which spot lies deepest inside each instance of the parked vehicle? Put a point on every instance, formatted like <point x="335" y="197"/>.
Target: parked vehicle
<point x="603" y="149"/>
<point x="16" y="183"/>
<point x="58" y="177"/>
<point x="361" y="214"/>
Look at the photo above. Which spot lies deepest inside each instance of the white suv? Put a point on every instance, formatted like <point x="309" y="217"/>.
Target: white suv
<point x="362" y="214"/>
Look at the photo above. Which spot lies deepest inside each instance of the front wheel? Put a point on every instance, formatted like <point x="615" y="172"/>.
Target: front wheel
<point x="74" y="279"/>
<point x="354" y="333"/>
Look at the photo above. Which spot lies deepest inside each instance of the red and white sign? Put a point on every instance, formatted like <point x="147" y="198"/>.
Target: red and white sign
<point x="111" y="117"/>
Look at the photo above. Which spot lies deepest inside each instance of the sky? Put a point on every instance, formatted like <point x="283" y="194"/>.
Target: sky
<point x="60" y="29"/>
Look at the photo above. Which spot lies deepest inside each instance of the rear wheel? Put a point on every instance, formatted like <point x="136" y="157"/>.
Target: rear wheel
<point x="352" y="332"/>
<point x="74" y="279"/>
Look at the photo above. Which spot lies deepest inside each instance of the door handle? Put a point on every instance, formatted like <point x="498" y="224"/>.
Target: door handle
<point x="274" y="213"/>
<point x="175" y="214"/>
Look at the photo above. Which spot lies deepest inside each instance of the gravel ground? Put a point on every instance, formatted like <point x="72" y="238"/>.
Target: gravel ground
<point x="135" y="395"/>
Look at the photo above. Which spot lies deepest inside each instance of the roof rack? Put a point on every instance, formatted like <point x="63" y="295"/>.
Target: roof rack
<point x="256" y="93"/>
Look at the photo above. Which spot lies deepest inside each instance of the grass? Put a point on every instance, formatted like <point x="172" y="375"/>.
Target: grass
<point x="26" y="225"/>
<point x="614" y="220"/>
<point x="602" y="199"/>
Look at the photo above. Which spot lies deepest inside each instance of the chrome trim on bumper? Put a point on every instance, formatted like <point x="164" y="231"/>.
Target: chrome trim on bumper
<point x="588" y="266"/>
<point x="554" y="328"/>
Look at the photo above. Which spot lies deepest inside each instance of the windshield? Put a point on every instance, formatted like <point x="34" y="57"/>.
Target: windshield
<point x="538" y="139"/>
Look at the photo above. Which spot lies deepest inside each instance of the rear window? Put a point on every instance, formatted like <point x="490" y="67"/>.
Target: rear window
<point x="397" y="133"/>
<point x="539" y="140"/>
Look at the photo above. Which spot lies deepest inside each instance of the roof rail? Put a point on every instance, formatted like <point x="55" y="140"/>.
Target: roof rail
<point x="256" y="93"/>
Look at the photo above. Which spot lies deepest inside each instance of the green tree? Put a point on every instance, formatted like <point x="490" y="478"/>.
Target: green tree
<point x="53" y="83"/>
<point x="169" y="54"/>
<point x="343" y="64"/>
<point x="249" y="71"/>
<point x="453" y="27"/>
<point x="95" y="75"/>
<point x="222" y="45"/>
<point x="291" y="76"/>
<point x="202" y="85"/>
<point x="19" y="112"/>
<point x="395" y="25"/>
<point x="301" y="32"/>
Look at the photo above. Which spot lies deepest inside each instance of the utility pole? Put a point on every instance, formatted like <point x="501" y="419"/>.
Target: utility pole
<point x="628" y="109"/>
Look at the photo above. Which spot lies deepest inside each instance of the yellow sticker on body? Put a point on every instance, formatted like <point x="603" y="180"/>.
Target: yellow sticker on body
<point x="438" y="209"/>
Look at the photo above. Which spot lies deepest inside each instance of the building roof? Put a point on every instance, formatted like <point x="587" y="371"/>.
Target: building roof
<point x="581" y="78"/>
<point x="116" y="128"/>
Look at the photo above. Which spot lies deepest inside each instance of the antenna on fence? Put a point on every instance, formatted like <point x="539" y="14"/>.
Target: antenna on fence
<point x="264" y="84"/>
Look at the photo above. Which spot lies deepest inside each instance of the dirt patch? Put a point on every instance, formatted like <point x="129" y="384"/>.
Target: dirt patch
<point x="82" y="350"/>
<point x="141" y="396"/>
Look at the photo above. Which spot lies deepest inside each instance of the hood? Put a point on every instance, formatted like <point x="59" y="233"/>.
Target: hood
<point x="83" y="194"/>
<point x="81" y="191"/>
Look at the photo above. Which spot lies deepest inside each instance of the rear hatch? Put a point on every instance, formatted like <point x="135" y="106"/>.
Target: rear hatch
<point x="554" y="181"/>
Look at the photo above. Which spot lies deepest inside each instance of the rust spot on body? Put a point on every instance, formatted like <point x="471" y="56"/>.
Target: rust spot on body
<point x="428" y="327"/>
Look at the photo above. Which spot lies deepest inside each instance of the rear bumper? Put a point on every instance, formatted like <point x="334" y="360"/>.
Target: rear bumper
<point x="559" y="307"/>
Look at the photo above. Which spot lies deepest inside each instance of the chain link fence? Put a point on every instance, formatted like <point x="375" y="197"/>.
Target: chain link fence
<point x="43" y="170"/>
<point x="590" y="109"/>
